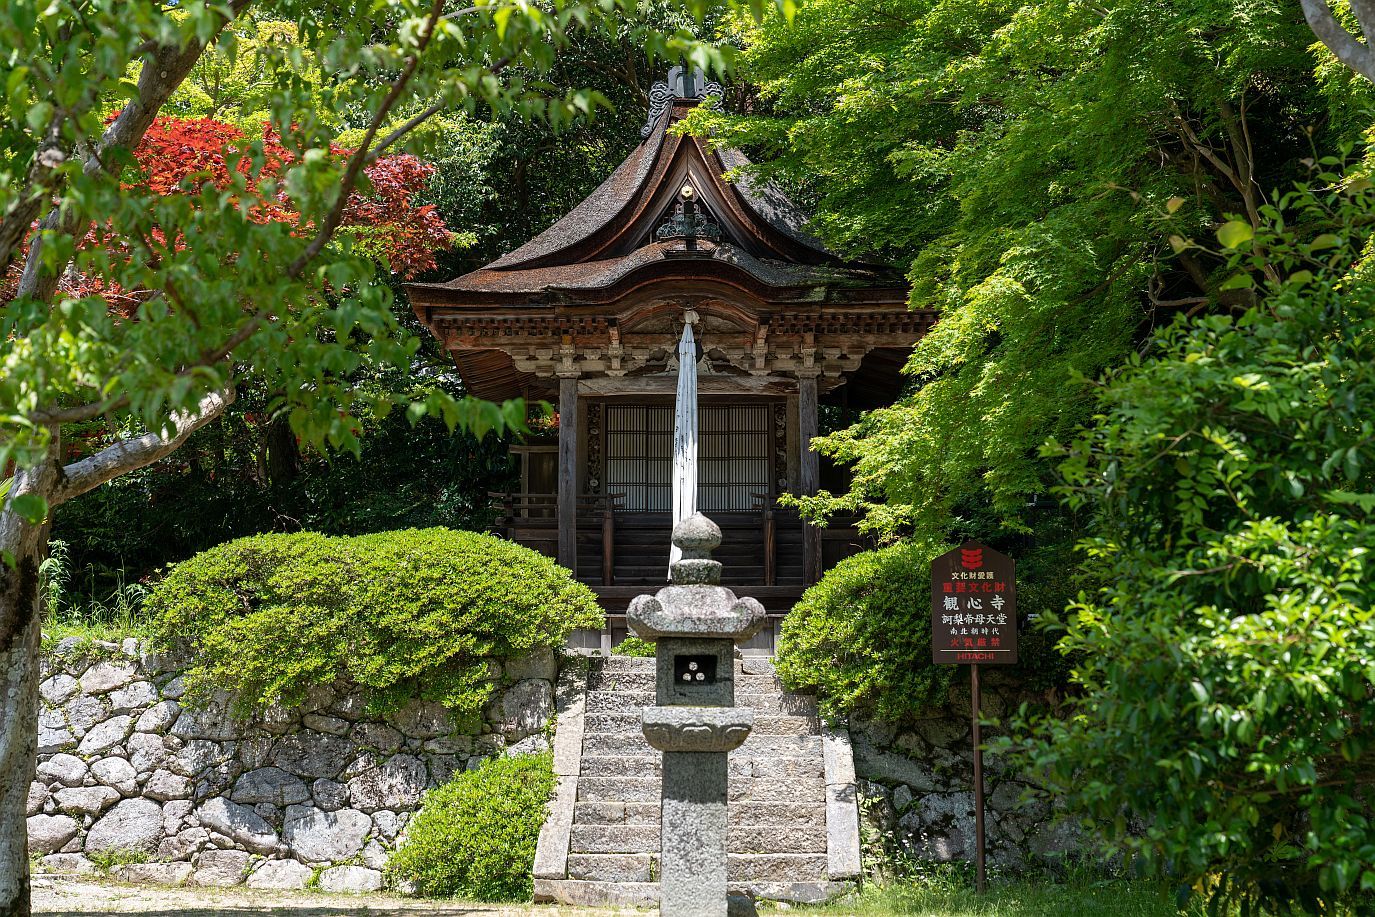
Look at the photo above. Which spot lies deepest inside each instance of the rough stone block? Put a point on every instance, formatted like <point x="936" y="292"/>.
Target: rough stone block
<point x="615" y="839"/>
<point x="350" y="879"/>
<point x="166" y="786"/>
<point x="105" y="676"/>
<point x="220" y="868"/>
<point x="621" y="789"/>
<point x="135" y="696"/>
<point x="270" y="785"/>
<point x="68" y="770"/>
<point x="159" y="717"/>
<point x="280" y="874"/>
<point x="540" y="664"/>
<point x="312" y="756"/>
<point x="134" y="824"/>
<point x="104" y="736"/>
<point x="72" y="864"/>
<point x="153" y="873"/>
<point x="397" y="784"/>
<point x="85" y="800"/>
<point x="777" y="867"/>
<point x="238" y="822"/>
<point x="317" y="836"/>
<point x="616" y="867"/>
<point x="50" y="833"/>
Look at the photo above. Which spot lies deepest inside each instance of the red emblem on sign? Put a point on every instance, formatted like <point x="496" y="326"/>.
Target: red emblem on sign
<point x="971" y="558"/>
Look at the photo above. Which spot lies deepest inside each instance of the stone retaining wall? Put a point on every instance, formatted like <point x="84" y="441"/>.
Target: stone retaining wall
<point x="916" y="789"/>
<point x="130" y="779"/>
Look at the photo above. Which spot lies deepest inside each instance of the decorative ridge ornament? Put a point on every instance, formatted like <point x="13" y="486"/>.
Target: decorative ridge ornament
<point x="680" y="85"/>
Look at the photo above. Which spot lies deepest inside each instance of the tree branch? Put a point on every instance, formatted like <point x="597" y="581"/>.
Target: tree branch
<point x="131" y="454"/>
<point x="1339" y="41"/>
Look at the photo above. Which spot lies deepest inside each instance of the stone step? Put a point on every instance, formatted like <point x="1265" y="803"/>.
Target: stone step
<point x="623" y="721"/>
<point x="757" y="746"/>
<point x="766" y="839"/>
<point x="778" y="814"/>
<point x="622" y="766"/>
<point x="616" y="813"/>
<point x="782" y="704"/>
<point x="627" y="722"/>
<point x="615" y="839"/>
<point x="597" y="894"/>
<point x="622" y="664"/>
<point x="795" y="790"/>
<point x="776" y="867"/>
<point x="613" y="867"/>
<point x="646" y="894"/>
<point x="622" y="680"/>
<point x="757" y="684"/>
<point x="619" y="789"/>
<point x="619" y="701"/>
<point x="767" y="767"/>
<point x="607" y="743"/>
<point x="771" y="725"/>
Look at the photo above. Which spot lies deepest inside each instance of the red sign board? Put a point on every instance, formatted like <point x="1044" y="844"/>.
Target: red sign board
<point x="973" y="607"/>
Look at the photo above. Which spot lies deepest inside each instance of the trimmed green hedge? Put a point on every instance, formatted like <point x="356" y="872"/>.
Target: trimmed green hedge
<point x="861" y="637"/>
<point x="475" y="836"/>
<point x="412" y="613"/>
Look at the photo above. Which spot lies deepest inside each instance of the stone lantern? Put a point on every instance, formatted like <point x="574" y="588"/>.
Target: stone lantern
<point x="695" y="623"/>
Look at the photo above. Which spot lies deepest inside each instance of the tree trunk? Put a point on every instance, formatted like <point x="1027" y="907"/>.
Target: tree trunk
<point x="22" y="543"/>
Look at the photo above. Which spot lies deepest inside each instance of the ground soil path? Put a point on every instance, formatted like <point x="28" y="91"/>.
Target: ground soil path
<point x="76" y="898"/>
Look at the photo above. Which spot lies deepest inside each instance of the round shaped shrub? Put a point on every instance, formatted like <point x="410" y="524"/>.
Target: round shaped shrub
<point x="475" y="836"/>
<point x="861" y="637"/>
<point x="413" y="613"/>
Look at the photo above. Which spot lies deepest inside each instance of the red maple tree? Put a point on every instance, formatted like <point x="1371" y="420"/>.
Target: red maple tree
<point x="183" y="155"/>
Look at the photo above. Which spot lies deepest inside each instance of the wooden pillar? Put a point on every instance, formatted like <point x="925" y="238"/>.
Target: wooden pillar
<point x="568" y="472"/>
<point x="809" y="473"/>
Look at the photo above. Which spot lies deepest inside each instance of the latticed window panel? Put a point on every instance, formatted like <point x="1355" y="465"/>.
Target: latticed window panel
<point x="732" y="456"/>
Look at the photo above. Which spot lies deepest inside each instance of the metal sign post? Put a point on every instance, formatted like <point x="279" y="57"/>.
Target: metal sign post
<point x="974" y="621"/>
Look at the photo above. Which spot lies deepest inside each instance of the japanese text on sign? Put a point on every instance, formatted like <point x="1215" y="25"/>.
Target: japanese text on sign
<point x="973" y="607"/>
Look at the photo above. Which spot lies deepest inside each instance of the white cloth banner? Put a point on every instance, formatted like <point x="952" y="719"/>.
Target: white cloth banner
<point x="685" y="435"/>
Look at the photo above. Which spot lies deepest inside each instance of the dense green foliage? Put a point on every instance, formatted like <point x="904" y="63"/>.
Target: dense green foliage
<point x="634" y="646"/>
<point x="1028" y="164"/>
<point x="475" y="836"/>
<point x="860" y="639"/>
<point x="419" y="612"/>
<point x="1226" y="671"/>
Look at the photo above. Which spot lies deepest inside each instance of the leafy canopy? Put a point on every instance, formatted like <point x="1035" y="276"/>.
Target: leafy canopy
<point x="1226" y="669"/>
<point x="412" y="613"/>
<point x="225" y="294"/>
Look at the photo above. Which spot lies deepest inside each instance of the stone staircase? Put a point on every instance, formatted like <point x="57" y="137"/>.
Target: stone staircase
<point x="793" y="819"/>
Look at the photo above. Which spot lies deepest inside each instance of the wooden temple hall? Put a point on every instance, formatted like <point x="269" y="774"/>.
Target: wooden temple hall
<point x="588" y="316"/>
